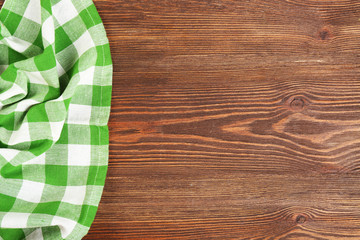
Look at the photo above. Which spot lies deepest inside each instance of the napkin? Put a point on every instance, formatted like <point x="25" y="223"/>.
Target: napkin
<point x="55" y="97"/>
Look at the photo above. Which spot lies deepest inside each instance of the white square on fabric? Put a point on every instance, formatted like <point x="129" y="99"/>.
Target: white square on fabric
<point x="8" y="153"/>
<point x="87" y="76"/>
<point x="15" y="220"/>
<point x="31" y="191"/>
<point x="79" y="114"/>
<point x="79" y="155"/>
<point x="48" y="30"/>
<point x="21" y="135"/>
<point x="64" y="11"/>
<point x="13" y="91"/>
<point x="66" y="225"/>
<point x="84" y="43"/>
<point x="18" y="44"/>
<point x="56" y="128"/>
<point x="36" y="78"/>
<point x="40" y="160"/>
<point x="74" y="195"/>
<point x="25" y="104"/>
<point x="33" y="11"/>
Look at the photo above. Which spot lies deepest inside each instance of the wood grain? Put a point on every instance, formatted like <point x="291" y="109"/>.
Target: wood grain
<point x="233" y="120"/>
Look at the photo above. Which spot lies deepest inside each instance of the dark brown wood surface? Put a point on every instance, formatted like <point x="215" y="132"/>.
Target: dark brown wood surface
<point x="233" y="119"/>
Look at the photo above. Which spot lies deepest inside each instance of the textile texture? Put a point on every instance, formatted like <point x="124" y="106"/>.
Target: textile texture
<point x="55" y="94"/>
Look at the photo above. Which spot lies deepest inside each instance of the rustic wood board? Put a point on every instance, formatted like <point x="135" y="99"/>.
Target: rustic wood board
<point x="233" y="119"/>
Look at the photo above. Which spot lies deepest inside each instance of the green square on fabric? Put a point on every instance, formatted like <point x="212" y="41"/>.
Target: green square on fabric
<point x="10" y="74"/>
<point x="102" y="51"/>
<point x="3" y="144"/>
<point x="12" y="234"/>
<point x="99" y="135"/>
<point x="10" y="19"/>
<point x="63" y="81"/>
<point x="11" y="171"/>
<point x="90" y="16"/>
<point x="47" y="208"/>
<point x="93" y="172"/>
<point x="44" y="62"/>
<point x="6" y="203"/>
<point x="75" y="68"/>
<point x="38" y="41"/>
<point x="15" y="56"/>
<point x="37" y="114"/>
<point x="47" y="5"/>
<point x="52" y="93"/>
<point x="100" y="93"/>
<point x="65" y="40"/>
<point x="56" y="175"/>
<point x="64" y="136"/>
<point x="7" y="121"/>
<point x="38" y="147"/>
<point x="90" y="213"/>
<point x="67" y="102"/>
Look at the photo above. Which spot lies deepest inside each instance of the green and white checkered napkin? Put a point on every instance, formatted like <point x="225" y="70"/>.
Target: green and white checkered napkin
<point x="55" y="93"/>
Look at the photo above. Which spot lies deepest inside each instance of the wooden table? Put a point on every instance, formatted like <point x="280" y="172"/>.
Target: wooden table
<point x="233" y="119"/>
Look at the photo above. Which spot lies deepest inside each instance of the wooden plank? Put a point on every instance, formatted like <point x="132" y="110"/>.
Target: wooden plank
<point x="233" y="120"/>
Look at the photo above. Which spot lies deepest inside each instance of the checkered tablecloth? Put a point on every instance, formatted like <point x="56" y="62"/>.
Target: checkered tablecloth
<point x="55" y="94"/>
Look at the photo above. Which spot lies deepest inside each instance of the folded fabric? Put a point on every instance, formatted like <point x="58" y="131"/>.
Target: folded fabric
<point x="55" y="94"/>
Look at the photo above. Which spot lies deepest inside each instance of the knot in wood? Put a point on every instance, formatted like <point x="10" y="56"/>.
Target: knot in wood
<point x="300" y="219"/>
<point x="325" y="33"/>
<point x="297" y="104"/>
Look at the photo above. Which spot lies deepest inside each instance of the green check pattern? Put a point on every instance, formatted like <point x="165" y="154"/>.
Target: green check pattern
<point x="55" y="97"/>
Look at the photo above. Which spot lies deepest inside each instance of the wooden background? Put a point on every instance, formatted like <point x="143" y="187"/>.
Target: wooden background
<point x="233" y="119"/>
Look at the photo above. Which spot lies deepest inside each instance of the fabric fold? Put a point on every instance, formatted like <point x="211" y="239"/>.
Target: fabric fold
<point x="55" y="97"/>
